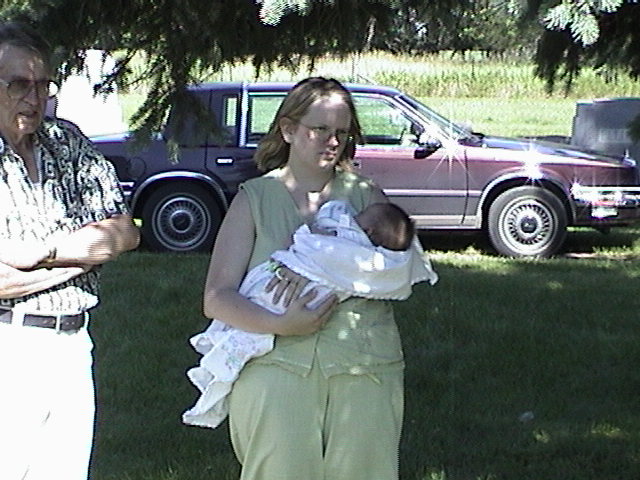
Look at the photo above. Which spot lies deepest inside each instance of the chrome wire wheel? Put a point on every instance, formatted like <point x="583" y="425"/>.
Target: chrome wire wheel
<point x="180" y="218"/>
<point x="181" y="223"/>
<point x="527" y="222"/>
<point x="527" y="225"/>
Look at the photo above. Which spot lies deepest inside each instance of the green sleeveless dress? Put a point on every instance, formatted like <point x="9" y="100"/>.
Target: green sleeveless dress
<point x="361" y="337"/>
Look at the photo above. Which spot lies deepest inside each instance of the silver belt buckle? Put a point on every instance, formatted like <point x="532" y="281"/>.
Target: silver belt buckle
<point x="17" y="316"/>
<point x="58" y="328"/>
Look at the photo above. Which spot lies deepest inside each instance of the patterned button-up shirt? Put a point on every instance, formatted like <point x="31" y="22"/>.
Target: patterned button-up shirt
<point x="77" y="186"/>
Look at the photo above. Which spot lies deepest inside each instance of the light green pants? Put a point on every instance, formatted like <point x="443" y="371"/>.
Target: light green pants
<point x="288" y="427"/>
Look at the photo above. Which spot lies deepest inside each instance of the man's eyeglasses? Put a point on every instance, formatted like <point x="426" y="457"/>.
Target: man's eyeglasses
<point x="20" y="88"/>
<point x="325" y="133"/>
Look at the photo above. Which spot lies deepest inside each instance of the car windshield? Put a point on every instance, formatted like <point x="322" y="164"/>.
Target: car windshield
<point x="446" y="126"/>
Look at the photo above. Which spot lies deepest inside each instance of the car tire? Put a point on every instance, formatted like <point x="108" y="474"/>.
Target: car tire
<point x="527" y="221"/>
<point x="180" y="218"/>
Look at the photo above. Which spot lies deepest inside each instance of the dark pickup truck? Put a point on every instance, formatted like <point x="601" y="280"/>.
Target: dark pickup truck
<point x="523" y="193"/>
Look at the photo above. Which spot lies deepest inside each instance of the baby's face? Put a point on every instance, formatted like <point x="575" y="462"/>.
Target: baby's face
<point x="369" y="222"/>
<point x="366" y="220"/>
<point x="379" y="227"/>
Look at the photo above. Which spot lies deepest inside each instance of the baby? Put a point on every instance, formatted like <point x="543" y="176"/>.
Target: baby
<point x="372" y="254"/>
<point x="384" y="224"/>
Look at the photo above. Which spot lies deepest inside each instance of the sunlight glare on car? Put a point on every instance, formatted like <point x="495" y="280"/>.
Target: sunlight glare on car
<point x="532" y="166"/>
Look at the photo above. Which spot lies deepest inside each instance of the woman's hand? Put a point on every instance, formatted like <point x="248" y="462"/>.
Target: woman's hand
<point x="286" y="284"/>
<point x="298" y="319"/>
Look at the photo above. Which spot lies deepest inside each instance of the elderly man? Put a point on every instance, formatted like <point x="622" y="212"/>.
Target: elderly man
<point x="62" y="215"/>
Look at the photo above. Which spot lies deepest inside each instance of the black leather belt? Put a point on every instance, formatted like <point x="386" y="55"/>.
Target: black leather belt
<point x="64" y="323"/>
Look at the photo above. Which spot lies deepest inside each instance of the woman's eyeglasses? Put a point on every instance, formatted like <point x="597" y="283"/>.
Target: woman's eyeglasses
<point x="324" y="133"/>
<point x="20" y="88"/>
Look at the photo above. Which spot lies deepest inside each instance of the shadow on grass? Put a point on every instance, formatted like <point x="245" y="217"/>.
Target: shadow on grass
<point x="522" y="370"/>
<point x="580" y="242"/>
<point x="516" y="370"/>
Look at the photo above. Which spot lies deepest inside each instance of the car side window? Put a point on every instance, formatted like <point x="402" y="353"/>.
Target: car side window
<point x="230" y="110"/>
<point x="230" y="118"/>
<point x="185" y="125"/>
<point x="261" y="112"/>
<point x="384" y="123"/>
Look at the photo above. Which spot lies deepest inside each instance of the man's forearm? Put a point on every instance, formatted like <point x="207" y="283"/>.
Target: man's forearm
<point x="95" y="243"/>
<point x="22" y="255"/>
<point x="15" y="283"/>
<point x="30" y="267"/>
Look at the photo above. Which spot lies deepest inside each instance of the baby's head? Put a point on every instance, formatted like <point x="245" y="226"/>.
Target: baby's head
<point x="387" y="225"/>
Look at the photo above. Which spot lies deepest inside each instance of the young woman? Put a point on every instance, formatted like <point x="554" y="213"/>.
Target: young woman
<point x="327" y="401"/>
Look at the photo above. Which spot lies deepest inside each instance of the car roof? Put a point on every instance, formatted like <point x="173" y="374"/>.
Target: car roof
<point x="286" y="86"/>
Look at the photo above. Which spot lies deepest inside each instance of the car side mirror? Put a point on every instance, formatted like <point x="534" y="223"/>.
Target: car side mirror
<point x="427" y="147"/>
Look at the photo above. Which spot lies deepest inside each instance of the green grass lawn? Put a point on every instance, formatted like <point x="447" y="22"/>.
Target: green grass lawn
<point x="509" y="117"/>
<point x="516" y="369"/>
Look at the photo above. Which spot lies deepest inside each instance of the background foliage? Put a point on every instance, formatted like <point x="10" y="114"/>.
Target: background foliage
<point x="168" y="44"/>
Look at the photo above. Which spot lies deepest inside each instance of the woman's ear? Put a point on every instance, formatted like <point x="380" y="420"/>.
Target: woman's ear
<point x="287" y="127"/>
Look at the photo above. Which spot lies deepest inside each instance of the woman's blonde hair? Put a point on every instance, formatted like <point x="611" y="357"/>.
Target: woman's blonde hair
<point x="273" y="151"/>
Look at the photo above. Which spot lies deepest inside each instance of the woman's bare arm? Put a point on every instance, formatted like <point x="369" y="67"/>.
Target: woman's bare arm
<point x="227" y="268"/>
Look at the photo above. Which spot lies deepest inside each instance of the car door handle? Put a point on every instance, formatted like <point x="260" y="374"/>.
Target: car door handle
<point x="224" y="161"/>
<point x="356" y="164"/>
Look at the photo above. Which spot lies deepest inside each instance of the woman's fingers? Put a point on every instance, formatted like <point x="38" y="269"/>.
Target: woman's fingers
<point x="302" y="320"/>
<point x="276" y="268"/>
<point x="286" y="285"/>
<point x="278" y="291"/>
<point x="325" y="309"/>
<point x="294" y="289"/>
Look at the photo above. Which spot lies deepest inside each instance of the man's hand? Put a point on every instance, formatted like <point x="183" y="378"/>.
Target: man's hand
<point x="23" y="255"/>
<point x="18" y="283"/>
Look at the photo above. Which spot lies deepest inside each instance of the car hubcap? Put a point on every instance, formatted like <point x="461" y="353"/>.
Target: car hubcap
<point x="527" y="226"/>
<point x="181" y="223"/>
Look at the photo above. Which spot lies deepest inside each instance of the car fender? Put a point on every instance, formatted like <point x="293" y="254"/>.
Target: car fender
<point x="176" y="176"/>
<point x="543" y="178"/>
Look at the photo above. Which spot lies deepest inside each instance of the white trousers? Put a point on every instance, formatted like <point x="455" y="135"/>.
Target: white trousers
<point x="47" y="403"/>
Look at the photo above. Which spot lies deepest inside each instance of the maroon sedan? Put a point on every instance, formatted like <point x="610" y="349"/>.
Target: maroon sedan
<point x="522" y="193"/>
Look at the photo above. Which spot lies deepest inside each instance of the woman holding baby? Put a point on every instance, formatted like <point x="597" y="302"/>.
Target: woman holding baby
<point x="327" y="401"/>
